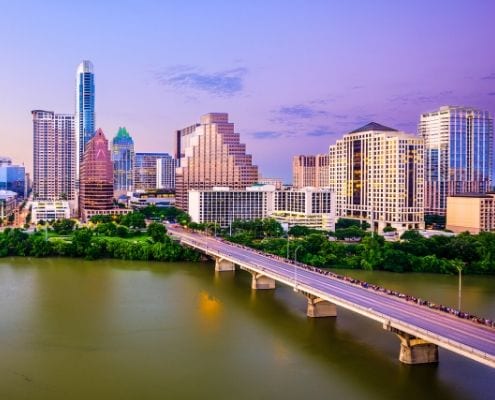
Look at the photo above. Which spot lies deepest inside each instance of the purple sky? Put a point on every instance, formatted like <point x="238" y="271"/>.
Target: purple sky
<point x="293" y="75"/>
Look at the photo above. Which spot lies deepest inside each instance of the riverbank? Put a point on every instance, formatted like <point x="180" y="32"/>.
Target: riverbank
<point x="92" y="245"/>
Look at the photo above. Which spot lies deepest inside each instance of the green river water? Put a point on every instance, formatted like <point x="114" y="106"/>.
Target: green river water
<point x="74" y="329"/>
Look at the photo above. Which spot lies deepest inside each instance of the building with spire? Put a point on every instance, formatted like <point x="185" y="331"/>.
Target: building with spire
<point x="85" y="109"/>
<point x="96" y="176"/>
<point x="123" y="158"/>
<point x="212" y="156"/>
<point x="377" y="175"/>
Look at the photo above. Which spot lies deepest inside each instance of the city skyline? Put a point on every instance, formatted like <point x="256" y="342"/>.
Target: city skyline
<point x="312" y="81"/>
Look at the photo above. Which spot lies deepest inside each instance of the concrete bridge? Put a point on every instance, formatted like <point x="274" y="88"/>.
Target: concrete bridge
<point x="421" y="330"/>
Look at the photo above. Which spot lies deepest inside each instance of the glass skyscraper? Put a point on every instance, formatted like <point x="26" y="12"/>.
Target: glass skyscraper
<point x="85" y="109"/>
<point x="123" y="161"/>
<point x="145" y="171"/>
<point x="12" y="177"/>
<point x="458" y="154"/>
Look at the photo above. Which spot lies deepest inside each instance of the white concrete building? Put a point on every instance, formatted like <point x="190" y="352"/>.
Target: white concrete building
<point x="54" y="156"/>
<point x="49" y="211"/>
<point x="224" y="206"/>
<point x="310" y="207"/>
<point x="377" y="175"/>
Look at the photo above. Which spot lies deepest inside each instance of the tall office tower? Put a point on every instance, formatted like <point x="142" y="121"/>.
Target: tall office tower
<point x="182" y="141"/>
<point x="458" y="154"/>
<point x="145" y="170"/>
<point x="54" y="149"/>
<point x="310" y="171"/>
<point x="303" y="171"/>
<point x="165" y="172"/>
<point x="85" y="109"/>
<point x="96" y="179"/>
<point x="212" y="155"/>
<point x="12" y="177"/>
<point x="377" y="176"/>
<point x="322" y="173"/>
<point x="123" y="162"/>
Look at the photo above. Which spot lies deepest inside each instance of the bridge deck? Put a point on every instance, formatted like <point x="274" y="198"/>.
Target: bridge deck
<point x="461" y="336"/>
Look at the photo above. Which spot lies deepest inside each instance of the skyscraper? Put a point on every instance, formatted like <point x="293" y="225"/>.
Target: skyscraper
<point x="85" y="108"/>
<point x="96" y="179"/>
<point x="165" y="172"/>
<point x="376" y="173"/>
<point x="12" y="177"/>
<point x="146" y="174"/>
<point x="53" y="156"/>
<point x="123" y="162"/>
<point x="212" y="155"/>
<point x="458" y="154"/>
<point x="310" y="171"/>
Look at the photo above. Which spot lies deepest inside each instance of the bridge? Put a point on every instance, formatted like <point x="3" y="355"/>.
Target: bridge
<point x="421" y="330"/>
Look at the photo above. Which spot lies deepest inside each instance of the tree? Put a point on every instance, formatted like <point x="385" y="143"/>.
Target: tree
<point x="344" y="223"/>
<point x="272" y="228"/>
<point x="134" y="220"/>
<point x="372" y="255"/>
<point x="157" y="232"/>
<point x="64" y="226"/>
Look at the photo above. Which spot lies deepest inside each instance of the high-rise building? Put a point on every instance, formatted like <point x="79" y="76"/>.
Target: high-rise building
<point x="458" y="154"/>
<point x="85" y="109"/>
<point x="146" y="175"/>
<point x="53" y="156"/>
<point x="212" y="155"/>
<point x="12" y="177"/>
<point x="310" y="171"/>
<point x="96" y="179"/>
<point x="376" y="173"/>
<point x="165" y="172"/>
<point x="123" y="162"/>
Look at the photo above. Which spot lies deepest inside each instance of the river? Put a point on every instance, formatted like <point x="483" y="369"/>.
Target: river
<point x="75" y="329"/>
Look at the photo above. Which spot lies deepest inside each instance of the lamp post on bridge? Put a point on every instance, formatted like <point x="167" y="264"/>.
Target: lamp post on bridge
<point x="459" y="265"/>
<point x="295" y="267"/>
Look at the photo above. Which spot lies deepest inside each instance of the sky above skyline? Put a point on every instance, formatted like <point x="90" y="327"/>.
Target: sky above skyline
<point x="294" y="76"/>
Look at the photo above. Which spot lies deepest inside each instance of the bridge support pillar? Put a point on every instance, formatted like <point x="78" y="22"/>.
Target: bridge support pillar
<point x="222" y="265"/>
<point x="261" y="282"/>
<point x="414" y="350"/>
<point x="318" y="308"/>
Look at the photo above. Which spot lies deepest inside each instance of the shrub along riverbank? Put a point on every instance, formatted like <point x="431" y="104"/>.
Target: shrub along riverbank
<point x="474" y="254"/>
<point x="105" y="240"/>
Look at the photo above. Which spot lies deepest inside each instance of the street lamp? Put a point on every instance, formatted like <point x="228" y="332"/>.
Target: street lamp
<point x="295" y="267"/>
<point x="459" y="267"/>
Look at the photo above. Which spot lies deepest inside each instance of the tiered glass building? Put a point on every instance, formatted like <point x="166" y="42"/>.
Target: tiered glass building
<point x="212" y="155"/>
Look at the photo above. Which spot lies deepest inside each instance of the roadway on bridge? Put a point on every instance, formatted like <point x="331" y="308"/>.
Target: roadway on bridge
<point x="449" y="328"/>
